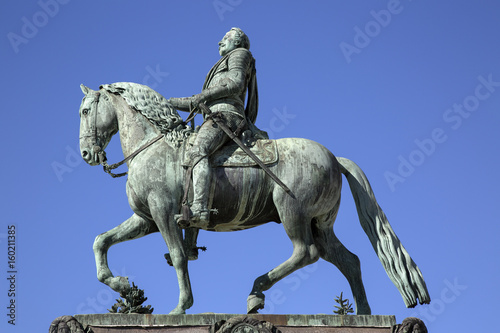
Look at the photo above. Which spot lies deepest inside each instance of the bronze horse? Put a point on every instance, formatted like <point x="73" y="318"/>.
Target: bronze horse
<point x="245" y="197"/>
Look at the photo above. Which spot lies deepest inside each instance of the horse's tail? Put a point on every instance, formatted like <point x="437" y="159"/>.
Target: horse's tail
<point x="398" y="264"/>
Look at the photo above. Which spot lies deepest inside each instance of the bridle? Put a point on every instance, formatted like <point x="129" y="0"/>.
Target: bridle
<point x="92" y="133"/>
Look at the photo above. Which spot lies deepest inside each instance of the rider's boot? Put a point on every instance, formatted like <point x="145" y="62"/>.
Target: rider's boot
<point x="200" y="214"/>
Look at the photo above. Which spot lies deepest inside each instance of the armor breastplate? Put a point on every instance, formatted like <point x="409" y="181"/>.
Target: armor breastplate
<point x="236" y="102"/>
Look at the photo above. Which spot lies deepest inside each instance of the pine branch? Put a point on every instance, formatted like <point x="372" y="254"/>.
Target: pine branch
<point x="344" y="307"/>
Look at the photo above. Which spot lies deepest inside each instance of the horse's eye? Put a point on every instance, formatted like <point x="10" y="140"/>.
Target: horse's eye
<point x="85" y="112"/>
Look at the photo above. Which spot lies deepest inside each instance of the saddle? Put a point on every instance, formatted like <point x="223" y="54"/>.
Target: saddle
<point x="230" y="155"/>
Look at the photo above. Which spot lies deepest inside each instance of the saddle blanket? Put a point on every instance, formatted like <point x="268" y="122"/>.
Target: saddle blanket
<point x="230" y="155"/>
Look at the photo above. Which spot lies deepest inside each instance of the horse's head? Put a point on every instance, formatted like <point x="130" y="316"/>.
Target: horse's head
<point x="98" y="123"/>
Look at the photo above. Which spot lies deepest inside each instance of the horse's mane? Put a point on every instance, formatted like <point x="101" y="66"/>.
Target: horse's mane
<point x="153" y="106"/>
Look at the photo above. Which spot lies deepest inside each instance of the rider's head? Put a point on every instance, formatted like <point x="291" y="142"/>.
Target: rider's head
<point x="233" y="39"/>
<point x="241" y="38"/>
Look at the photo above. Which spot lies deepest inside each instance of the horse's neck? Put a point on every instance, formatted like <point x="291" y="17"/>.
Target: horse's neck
<point x="135" y="130"/>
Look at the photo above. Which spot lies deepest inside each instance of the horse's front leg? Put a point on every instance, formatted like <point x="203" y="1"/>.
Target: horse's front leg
<point x="132" y="228"/>
<point x="163" y="214"/>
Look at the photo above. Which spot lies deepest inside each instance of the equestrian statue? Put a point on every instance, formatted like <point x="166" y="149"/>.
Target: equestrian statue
<point x="226" y="175"/>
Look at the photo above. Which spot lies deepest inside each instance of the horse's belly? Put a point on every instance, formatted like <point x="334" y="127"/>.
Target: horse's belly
<point x="243" y="198"/>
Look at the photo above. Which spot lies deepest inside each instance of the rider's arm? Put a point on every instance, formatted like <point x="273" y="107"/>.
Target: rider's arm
<point x="181" y="104"/>
<point x="233" y="84"/>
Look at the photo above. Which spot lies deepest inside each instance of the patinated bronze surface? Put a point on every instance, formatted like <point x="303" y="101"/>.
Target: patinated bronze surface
<point x="224" y="92"/>
<point x="244" y="196"/>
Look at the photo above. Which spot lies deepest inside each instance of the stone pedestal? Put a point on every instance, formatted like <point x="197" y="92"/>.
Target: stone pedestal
<point x="226" y="323"/>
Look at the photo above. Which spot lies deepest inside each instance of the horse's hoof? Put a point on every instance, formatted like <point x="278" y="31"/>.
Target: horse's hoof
<point x="255" y="303"/>
<point x="177" y="311"/>
<point x="363" y="310"/>
<point x="120" y="284"/>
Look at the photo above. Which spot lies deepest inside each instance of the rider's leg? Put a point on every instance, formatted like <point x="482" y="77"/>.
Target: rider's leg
<point x="201" y="186"/>
<point x="209" y="139"/>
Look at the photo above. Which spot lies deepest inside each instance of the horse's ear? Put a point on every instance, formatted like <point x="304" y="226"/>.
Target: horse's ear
<point x="85" y="89"/>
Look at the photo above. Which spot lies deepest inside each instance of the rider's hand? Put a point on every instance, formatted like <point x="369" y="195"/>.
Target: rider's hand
<point x="196" y="100"/>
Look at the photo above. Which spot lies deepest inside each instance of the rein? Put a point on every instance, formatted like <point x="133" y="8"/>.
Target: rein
<point x="107" y="168"/>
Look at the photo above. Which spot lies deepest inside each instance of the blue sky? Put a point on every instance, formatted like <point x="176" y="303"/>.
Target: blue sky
<point x="409" y="90"/>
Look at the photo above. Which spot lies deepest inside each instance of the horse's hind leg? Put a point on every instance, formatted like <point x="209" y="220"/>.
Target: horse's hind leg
<point x="332" y="250"/>
<point x="134" y="227"/>
<point x="298" y="228"/>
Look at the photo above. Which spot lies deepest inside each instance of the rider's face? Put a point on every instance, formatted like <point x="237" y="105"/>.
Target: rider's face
<point x="227" y="44"/>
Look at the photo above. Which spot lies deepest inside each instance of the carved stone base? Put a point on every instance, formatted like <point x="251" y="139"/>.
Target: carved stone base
<point x="232" y="323"/>
<point x="410" y="324"/>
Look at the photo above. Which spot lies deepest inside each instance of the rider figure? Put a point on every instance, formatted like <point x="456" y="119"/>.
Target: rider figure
<point x="224" y="92"/>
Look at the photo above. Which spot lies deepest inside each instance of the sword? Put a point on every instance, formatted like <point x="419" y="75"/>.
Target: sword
<point x="240" y="144"/>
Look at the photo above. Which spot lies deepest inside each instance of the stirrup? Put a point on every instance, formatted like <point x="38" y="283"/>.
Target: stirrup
<point x="189" y="219"/>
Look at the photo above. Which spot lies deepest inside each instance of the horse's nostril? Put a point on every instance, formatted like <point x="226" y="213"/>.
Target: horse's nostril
<point x="85" y="154"/>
